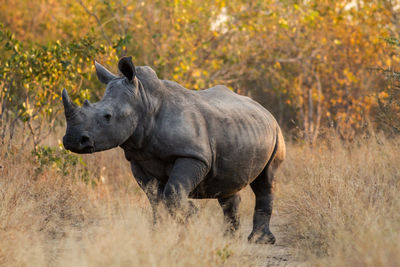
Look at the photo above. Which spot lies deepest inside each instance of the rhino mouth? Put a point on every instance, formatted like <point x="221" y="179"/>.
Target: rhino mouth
<point x="82" y="145"/>
<point x="81" y="150"/>
<point x="87" y="150"/>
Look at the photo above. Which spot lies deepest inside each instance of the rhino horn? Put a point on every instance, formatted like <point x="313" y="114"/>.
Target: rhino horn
<point x="68" y="105"/>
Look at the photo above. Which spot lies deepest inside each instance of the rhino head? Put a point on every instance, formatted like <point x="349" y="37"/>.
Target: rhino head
<point x="109" y="122"/>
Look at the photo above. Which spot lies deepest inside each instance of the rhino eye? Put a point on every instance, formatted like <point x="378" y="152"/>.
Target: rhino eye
<point x="107" y="117"/>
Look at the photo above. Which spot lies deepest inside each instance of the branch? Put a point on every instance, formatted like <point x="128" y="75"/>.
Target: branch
<point x="97" y="20"/>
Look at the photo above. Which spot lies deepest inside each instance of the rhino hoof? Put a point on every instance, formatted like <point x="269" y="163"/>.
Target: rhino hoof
<point x="231" y="232"/>
<point x="262" y="238"/>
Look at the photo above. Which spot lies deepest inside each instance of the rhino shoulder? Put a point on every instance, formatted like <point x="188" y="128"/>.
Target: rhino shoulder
<point x="217" y="90"/>
<point x="173" y="85"/>
<point x="146" y="72"/>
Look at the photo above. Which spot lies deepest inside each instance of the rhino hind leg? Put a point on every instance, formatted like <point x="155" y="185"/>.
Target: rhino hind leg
<point x="262" y="188"/>
<point x="230" y="207"/>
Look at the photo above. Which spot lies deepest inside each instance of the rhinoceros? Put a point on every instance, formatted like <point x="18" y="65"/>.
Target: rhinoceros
<point x="183" y="143"/>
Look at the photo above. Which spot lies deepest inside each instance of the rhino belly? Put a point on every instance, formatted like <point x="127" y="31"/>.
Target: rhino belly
<point x="232" y="172"/>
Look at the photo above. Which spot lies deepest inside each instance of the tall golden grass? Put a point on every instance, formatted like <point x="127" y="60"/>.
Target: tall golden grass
<point x="343" y="201"/>
<point x="337" y="204"/>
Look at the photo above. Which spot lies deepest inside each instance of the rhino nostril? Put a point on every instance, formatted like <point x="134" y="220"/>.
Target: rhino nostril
<point x="85" y="140"/>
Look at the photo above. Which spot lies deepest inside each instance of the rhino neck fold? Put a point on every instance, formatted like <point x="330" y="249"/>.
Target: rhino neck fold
<point x="149" y="107"/>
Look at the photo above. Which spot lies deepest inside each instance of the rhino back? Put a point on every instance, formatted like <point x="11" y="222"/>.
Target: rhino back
<point x="235" y="134"/>
<point x="242" y="134"/>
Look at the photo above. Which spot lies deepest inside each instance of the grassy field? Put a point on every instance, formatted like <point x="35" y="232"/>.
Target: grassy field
<point x="343" y="202"/>
<point x="337" y="204"/>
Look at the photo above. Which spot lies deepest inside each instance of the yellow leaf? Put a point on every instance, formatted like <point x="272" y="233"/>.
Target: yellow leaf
<point x="383" y="95"/>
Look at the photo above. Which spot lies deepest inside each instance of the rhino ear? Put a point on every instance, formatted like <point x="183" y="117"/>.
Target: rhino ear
<point x="102" y="73"/>
<point x="126" y="67"/>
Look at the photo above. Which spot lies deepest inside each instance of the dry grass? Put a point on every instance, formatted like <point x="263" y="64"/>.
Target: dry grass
<point x="341" y="202"/>
<point x="47" y="218"/>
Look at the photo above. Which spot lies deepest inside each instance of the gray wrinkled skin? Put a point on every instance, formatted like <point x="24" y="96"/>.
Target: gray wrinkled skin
<point x="181" y="143"/>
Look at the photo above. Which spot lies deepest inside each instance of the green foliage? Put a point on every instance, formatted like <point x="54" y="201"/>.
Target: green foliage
<point x="62" y="161"/>
<point x="224" y="253"/>
<point x="33" y="76"/>
<point x="389" y="100"/>
<point x="393" y="41"/>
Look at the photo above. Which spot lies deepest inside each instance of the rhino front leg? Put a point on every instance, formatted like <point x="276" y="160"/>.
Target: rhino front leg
<point x="230" y="207"/>
<point x="186" y="174"/>
<point x="150" y="185"/>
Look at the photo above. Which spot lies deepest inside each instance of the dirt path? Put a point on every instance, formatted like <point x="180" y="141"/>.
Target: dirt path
<point x="279" y="254"/>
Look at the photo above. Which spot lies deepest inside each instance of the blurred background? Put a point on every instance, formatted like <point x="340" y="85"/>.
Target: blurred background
<point x="313" y="64"/>
<point x="325" y="69"/>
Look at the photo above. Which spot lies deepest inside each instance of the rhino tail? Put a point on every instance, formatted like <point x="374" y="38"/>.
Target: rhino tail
<point x="281" y="147"/>
<point x="279" y="153"/>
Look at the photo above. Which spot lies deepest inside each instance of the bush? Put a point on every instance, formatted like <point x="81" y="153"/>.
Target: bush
<point x="64" y="162"/>
<point x="32" y="77"/>
<point x="389" y="100"/>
